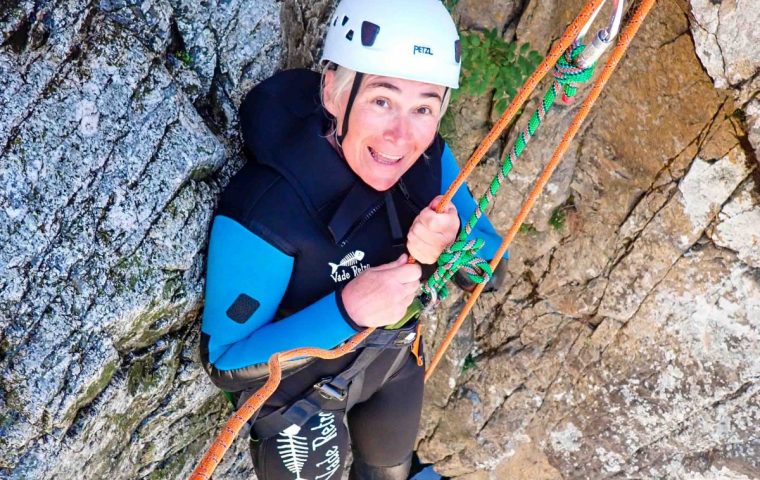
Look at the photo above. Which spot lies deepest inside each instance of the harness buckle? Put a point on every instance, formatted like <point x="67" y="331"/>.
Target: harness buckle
<point x="328" y="391"/>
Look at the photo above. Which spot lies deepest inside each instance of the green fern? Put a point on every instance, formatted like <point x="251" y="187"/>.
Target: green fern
<point x="490" y="63"/>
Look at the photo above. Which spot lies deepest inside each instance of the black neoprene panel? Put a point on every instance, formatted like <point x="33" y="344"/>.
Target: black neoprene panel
<point x="383" y="427"/>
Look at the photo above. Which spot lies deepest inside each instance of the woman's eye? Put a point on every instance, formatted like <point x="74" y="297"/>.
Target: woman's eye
<point x="381" y="102"/>
<point x="425" y="110"/>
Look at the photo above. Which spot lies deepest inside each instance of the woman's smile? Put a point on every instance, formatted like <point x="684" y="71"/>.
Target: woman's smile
<point x="384" y="158"/>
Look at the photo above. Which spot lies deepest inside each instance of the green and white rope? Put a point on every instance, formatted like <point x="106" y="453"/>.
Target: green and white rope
<point x="462" y="254"/>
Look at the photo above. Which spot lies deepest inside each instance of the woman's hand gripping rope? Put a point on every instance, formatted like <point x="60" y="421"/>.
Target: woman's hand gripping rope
<point x="434" y="229"/>
<point x="380" y="295"/>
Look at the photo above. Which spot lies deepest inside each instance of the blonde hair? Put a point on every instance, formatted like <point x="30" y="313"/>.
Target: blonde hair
<point x="344" y="78"/>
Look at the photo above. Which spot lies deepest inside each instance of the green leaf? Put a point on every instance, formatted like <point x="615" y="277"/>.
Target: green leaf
<point x="510" y="49"/>
<point x="491" y="63"/>
<point x="525" y="66"/>
<point x="500" y="106"/>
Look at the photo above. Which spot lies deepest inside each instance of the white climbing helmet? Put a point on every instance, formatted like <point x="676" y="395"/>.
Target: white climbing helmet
<point x="409" y="39"/>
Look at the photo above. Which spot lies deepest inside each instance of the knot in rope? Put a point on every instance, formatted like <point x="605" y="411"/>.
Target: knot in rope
<point x="460" y="255"/>
<point x="568" y="75"/>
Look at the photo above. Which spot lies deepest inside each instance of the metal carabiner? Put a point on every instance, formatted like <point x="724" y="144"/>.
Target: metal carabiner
<point x="603" y="38"/>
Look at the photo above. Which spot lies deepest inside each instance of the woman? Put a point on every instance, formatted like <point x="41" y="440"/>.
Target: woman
<point x="308" y="243"/>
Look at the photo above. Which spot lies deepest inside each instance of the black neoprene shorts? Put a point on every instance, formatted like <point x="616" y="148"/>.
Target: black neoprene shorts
<point x="381" y="427"/>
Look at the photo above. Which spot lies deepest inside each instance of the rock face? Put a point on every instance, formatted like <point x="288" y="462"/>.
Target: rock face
<point x="625" y="343"/>
<point x="116" y="119"/>
<point x="496" y="14"/>
<point x="727" y="40"/>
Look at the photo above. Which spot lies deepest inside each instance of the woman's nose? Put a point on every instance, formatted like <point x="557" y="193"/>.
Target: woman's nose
<point x="398" y="129"/>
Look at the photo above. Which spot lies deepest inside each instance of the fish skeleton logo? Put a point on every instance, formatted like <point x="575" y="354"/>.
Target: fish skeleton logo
<point x="352" y="261"/>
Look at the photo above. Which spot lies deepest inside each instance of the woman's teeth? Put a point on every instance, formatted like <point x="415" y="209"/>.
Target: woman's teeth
<point x="384" y="157"/>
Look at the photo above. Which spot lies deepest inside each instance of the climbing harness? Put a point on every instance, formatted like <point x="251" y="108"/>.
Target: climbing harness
<point x="344" y="387"/>
<point x="464" y="253"/>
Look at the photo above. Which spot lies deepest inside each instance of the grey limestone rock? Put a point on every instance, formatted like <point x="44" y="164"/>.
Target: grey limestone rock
<point x="727" y="39"/>
<point x="110" y="164"/>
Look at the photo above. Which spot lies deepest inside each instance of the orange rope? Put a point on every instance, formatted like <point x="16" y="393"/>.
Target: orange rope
<point x="559" y="48"/>
<point x="617" y="54"/>
<point x="211" y="460"/>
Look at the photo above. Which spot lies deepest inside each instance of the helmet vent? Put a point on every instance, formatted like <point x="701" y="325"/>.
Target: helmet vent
<point x="345" y="21"/>
<point x="369" y="33"/>
<point x="350" y="35"/>
<point x="457" y="51"/>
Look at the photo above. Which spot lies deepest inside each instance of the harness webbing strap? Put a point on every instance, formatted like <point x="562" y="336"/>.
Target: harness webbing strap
<point x="342" y="388"/>
<point x="302" y="410"/>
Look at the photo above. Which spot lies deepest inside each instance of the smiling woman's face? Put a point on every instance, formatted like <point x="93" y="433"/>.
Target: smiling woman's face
<point x="392" y="122"/>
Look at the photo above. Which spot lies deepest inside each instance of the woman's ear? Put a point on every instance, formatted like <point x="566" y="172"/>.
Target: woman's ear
<point x="328" y="99"/>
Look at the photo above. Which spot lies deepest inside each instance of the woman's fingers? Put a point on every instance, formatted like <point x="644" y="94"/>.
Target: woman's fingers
<point x="431" y="232"/>
<point x="437" y="222"/>
<point x="396" y="263"/>
<point x="379" y="296"/>
<point x="420" y="249"/>
<point x="409" y="274"/>
<point x="428" y="236"/>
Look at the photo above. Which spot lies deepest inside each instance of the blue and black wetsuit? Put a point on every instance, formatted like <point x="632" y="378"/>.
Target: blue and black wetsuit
<point x="292" y="228"/>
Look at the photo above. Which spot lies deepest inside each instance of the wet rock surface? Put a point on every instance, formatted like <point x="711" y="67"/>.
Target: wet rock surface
<point x="625" y="342"/>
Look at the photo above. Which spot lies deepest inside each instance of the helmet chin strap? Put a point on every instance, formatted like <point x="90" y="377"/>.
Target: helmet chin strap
<point x="351" y="97"/>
